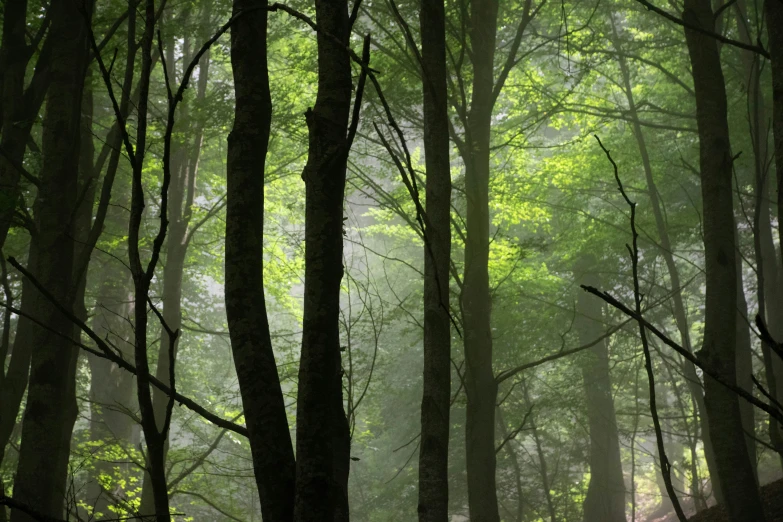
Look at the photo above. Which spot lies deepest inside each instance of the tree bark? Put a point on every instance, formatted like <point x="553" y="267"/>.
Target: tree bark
<point x="18" y="117"/>
<point x="251" y="344"/>
<point x="480" y="384"/>
<point x="605" y="498"/>
<point x="51" y="405"/>
<point x="735" y="472"/>
<point x="774" y="12"/>
<point x="19" y="106"/>
<point x="14" y="56"/>
<point x="322" y="433"/>
<point x="436" y="400"/>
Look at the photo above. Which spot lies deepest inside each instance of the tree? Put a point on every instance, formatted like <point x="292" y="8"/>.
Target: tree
<point x="605" y="499"/>
<point x="735" y="472"/>
<point x="436" y="400"/>
<point x="186" y="149"/>
<point x="251" y="345"/>
<point x="51" y="403"/>
<point x="322" y="434"/>
<point x="774" y="13"/>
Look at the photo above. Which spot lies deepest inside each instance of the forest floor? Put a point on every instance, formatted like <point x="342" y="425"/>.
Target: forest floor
<point x="771" y="495"/>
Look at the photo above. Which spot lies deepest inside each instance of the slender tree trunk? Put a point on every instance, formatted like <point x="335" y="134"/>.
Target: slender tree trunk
<point x="768" y="265"/>
<point x="322" y="434"/>
<point x="184" y="168"/>
<point x="735" y="472"/>
<point x="154" y="435"/>
<point x="14" y="56"/>
<point x="774" y="13"/>
<point x="436" y="401"/>
<point x="259" y="382"/>
<point x="681" y="319"/>
<point x="605" y="499"/>
<point x="43" y="457"/>
<point x="480" y="384"/>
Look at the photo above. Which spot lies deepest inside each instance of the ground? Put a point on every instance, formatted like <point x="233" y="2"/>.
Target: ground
<point x="771" y="495"/>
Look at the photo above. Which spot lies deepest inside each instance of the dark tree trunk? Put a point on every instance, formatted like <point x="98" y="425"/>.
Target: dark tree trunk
<point x="155" y="435"/>
<point x="14" y="55"/>
<point x="51" y="406"/>
<point x="19" y="113"/>
<point x="322" y="433"/>
<point x="184" y="167"/>
<point x="605" y="499"/>
<point x="774" y="12"/>
<point x="735" y="472"/>
<point x="772" y="270"/>
<point x="259" y="382"/>
<point x="19" y="106"/>
<point x="480" y="384"/>
<point x="436" y="400"/>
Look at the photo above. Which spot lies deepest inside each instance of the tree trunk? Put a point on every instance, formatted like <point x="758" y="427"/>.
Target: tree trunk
<point x="436" y="400"/>
<point x="19" y="107"/>
<point x="184" y="168"/>
<point x="322" y="434"/>
<point x="774" y="12"/>
<point x="480" y="384"/>
<point x="259" y="382"/>
<point x="735" y="472"/>
<point x="51" y="406"/>
<point x="20" y="110"/>
<point x="605" y="499"/>
<point x="14" y="56"/>
<point x="680" y="317"/>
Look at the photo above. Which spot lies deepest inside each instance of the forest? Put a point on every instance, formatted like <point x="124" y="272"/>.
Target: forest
<point x="391" y="260"/>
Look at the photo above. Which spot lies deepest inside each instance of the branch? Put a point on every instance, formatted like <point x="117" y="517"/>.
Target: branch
<point x="207" y="502"/>
<point x="20" y="168"/>
<point x="514" y="433"/>
<point x="106" y="352"/>
<point x="609" y="299"/>
<point x="504" y="375"/>
<point x="201" y="458"/>
<point x="357" y="104"/>
<point x="26" y="509"/>
<point x="679" y="21"/>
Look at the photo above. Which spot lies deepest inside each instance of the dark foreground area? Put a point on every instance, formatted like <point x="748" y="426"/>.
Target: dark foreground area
<point x="772" y="499"/>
